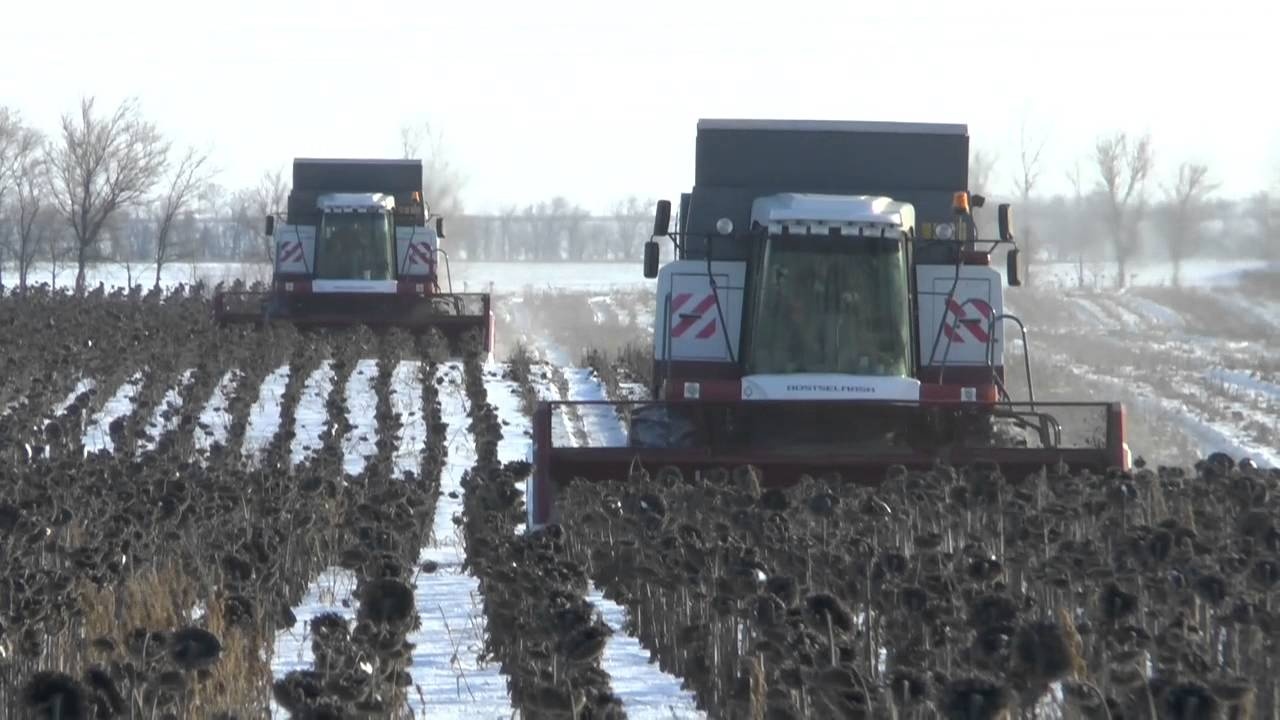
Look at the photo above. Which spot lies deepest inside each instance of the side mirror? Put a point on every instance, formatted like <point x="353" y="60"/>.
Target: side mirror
<point x="271" y="225"/>
<point x="651" y="259"/>
<point x="1013" y="271"/>
<point x="1005" y="218"/>
<point x="661" y="221"/>
<point x="978" y="200"/>
<point x="439" y="227"/>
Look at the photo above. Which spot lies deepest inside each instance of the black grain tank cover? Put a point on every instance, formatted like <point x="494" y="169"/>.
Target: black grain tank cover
<point x="316" y="176"/>
<point x="738" y="161"/>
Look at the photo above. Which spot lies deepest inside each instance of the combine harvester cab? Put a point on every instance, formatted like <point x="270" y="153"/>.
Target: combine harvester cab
<point x="356" y="248"/>
<point x="831" y="309"/>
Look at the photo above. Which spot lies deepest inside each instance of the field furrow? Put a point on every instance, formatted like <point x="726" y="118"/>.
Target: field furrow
<point x="264" y="416"/>
<point x="97" y="436"/>
<point x="213" y="423"/>
<point x="312" y="414"/>
<point x="358" y="445"/>
<point x="450" y="679"/>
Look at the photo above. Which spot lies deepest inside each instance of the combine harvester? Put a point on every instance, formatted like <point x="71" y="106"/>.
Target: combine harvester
<point x="355" y="248"/>
<point x="831" y="308"/>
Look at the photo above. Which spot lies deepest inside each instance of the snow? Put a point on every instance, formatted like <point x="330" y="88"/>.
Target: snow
<point x="562" y="434"/>
<point x="1254" y="309"/>
<point x="310" y="417"/>
<point x="526" y="276"/>
<point x="645" y="691"/>
<point x="601" y="423"/>
<point x="264" y="416"/>
<point x="172" y="403"/>
<point x="1209" y="435"/>
<point x="1153" y="313"/>
<point x="83" y="385"/>
<point x="362" y="407"/>
<point x="292" y="647"/>
<point x="116" y="275"/>
<point x="504" y="277"/>
<point x="445" y="670"/>
<point x="1094" y="314"/>
<point x="406" y="399"/>
<point x="1199" y="272"/>
<point x="211" y="426"/>
<point x="1244" y="381"/>
<point x="504" y="395"/>
<point x="97" y="435"/>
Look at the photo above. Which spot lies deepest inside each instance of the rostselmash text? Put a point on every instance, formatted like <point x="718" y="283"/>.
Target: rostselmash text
<point x="831" y="388"/>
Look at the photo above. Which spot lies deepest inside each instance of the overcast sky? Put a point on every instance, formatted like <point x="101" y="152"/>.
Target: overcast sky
<point x="596" y="100"/>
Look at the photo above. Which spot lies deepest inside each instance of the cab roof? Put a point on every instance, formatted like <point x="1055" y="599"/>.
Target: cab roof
<point x="819" y="209"/>
<point x="355" y="202"/>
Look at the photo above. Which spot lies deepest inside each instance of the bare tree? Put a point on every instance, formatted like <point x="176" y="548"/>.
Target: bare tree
<point x="1123" y="168"/>
<point x="182" y="189"/>
<point x="99" y="165"/>
<point x="442" y="182"/>
<point x="1079" y="218"/>
<point x="1186" y="202"/>
<point x="31" y="211"/>
<point x="1029" y="151"/>
<point x="12" y="132"/>
<point x="1264" y="211"/>
<point x="631" y="216"/>
<point x="982" y="165"/>
<point x="269" y="197"/>
<point x="58" y="247"/>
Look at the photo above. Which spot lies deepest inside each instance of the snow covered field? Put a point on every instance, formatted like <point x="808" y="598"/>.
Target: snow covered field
<point x="504" y="277"/>
<point x="1197" y="374"/>
<point x="466" y="277"/>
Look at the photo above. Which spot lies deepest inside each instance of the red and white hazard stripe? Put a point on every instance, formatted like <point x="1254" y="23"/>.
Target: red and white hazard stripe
<point x="698" y="316"/>
<point x="976" y="327"/>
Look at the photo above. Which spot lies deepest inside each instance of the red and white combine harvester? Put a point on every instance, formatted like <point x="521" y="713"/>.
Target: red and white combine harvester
<point x="830" y="308"/>
<point x="355" y="248"/>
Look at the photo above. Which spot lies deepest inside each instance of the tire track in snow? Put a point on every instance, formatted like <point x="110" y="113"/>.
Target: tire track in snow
<point x="450" y="638"/>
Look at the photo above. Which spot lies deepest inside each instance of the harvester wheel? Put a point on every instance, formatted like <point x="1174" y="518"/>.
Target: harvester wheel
<point x="662" y="426"/>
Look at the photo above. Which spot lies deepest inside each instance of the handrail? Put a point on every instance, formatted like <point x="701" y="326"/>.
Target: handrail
<point x="1026" y="355"/>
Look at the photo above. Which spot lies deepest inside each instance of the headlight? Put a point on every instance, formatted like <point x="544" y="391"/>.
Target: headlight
<point x="944" y="231"/>
<point x="724" y="226"/>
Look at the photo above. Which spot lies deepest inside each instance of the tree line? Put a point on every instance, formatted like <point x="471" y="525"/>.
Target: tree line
<point x="1124" y="206"/>
<point x="108" y="186"/>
